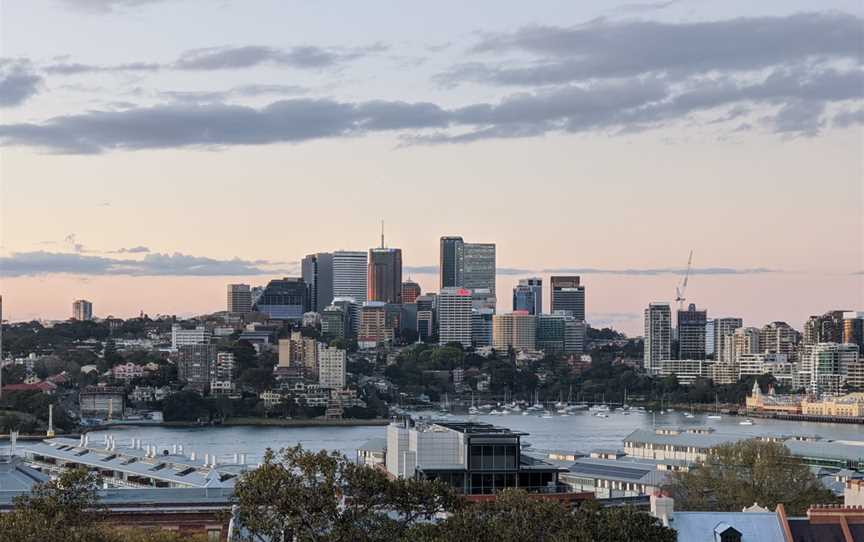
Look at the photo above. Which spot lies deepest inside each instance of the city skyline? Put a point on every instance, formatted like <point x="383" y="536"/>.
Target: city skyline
<point x="147" y="176"/>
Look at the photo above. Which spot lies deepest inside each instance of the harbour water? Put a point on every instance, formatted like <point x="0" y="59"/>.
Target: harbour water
<point x="578" y="432"/>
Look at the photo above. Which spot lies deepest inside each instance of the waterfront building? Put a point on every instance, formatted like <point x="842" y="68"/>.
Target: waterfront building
<point x="454" y="316"/>
<point x="658" y="335"/>
<point x="350" y="273"/>
<point x="194" y="363"/>
<point x="317" y="272"/>
<point x="778" y="338"/>
<point x="850" y="405"/>
<point x="691" y="333"/>
<point x="374" y="328"/>
<point x="451" y="262"/>
<point x="182" y="337"/>
<point x="686" y="370"/>
<point x="824" y="366"/>
<point x="331" y="367"/>
<point x="410" y="292"/>
<point x="479" y="266"/>
<point x="82" y="310"/>
<point x="528" y="296"/>
<point x="723" y="328"/>
<point x="481" y="327"/>
<point x="284" y="299"/>
<point x="104" y="402"/>
<point x="239" y="299"/>
<point x="517" y="330"/>
<point x="777" y="365"/>
<point x="474" y="458"/>
<point x="771" y="402"/>
<point x="568" y="294"/>
<point x="385" y="275"/>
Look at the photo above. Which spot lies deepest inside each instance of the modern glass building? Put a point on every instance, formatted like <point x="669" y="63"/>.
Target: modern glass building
<point x="479" y="266"/>
<point x="385" y="275"/>
<point x="528" y="296"/>
<point x="350" y="270"/>
<point x="317" y="272"/>
<point x="450" y="262"/>
<point x="284" y="299"/>
<point x="568" y="294"/>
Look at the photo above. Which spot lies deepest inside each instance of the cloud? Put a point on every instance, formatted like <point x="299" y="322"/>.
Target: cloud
<point x="604" y="49"/>
<point x="648" y="6"/>
<point x="305" y="57"/>
<point x="20" y="264"/>
<point x="106" y="6"/>
<point x="845" y="119"/>
<point x="18" y="83"/>
<point x="244" y="91"/>
<point x="132" y="250"/>
<point x="663" y="271"/>
<point x="433" y="270"/>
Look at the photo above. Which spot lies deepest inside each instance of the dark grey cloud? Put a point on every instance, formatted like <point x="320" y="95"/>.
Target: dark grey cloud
<point x="603" y="48"/>
<point x="304" y="57"/>
<point x="20" y="264"/>
<point x="647" y="6"/>
<point x="132" y="250"/>
<point x="18" y="82"/>
<point x="433" y="270"/>
<point x="244" y="91"/>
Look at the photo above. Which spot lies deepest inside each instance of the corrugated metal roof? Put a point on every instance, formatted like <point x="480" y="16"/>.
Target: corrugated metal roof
<point x="700" y="526"/>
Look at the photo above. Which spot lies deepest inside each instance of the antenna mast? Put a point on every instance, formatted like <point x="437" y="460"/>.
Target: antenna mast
<point x="382" y="233"/>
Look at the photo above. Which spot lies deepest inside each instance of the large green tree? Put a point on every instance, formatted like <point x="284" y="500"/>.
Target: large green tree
<point x="737" y="475"/>
<point x="306" y="496"/>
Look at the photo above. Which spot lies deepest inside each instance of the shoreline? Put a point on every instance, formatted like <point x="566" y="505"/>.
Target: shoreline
<point x="246" y="422"/>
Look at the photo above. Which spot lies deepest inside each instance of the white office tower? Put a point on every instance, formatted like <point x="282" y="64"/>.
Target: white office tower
<point x="331" y="367"/>
<point x="658" y="335"/>
<point x="184" y="337"/>
<point x="82" y="310"/>
<point x="454" y="316"/>
<point x="479" y="266"/>
<point x="350" y="270"/>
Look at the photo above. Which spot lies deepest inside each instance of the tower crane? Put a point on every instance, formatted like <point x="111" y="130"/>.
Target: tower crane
<point x="681" y="289"/>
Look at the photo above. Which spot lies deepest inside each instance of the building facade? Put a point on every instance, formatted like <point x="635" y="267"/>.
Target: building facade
<point x="82" y="310"/>
<point x="454" y="316"/>
<point x="284" y="299"/>
<point x="410" y="291"/>
<point x="385" y="275"/>
<point x="317" y="271"/>
<point x="517" y="330"/>
<point x="239" y="299"/>
<point x="691" y="333"/>
<point x="724" y="327"/>
<point x="451" y="262"/>
<point x="658" y="335"/>
<point x="350" y="271"/>
<point x="331" y="367"/>
<point x="528" y="296"/>
<point x="568" y="294"/>
<point x="479" y="266"/>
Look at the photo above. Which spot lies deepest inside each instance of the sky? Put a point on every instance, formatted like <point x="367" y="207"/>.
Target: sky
<point x="152" y="151"/>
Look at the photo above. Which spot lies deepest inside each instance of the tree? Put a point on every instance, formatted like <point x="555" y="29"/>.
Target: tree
<point x="737" y="475"/>
<point x="516" y="516"/>
<point x="306" y="496"/>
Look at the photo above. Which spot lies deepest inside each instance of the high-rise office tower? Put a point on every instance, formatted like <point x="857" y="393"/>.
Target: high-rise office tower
<point x="743" y="341"/>
<point x="451" y="261"/>
<point x="724" y="327"/>
<point x="239" y="298"/>
<point x="317" y="270"/>
<point x="284" y="299"/>
<point x="853" y="329"/>
<point x="194" y="363"/>
<point x="333" y="322"/>
<point x="528" y="296"/>
<point x="350" y="269"/>
<point x="568" y="294"/>
<point x="691" y="333"/>
<point x="826" y="365"/>
<point x="410" y="291"/>
<point x="481" y="327"/>
<point x="426" y="321"/>
<point x="454" y="316"/>
<point x="385" y="275"/>
<point x="517" y="330"/>
<point x="374" y="330"/>
<point x="351" y="310"/>
<point x="82" y="310"/>
<point x="478" y="266"/>
<point x="658" y="335"/>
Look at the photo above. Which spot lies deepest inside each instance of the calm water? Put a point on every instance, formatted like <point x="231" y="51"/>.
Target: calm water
<point x="578" y="432"/>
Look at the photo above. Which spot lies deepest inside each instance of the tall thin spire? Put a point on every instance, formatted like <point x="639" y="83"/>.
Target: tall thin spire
<point x="382" y="233"/>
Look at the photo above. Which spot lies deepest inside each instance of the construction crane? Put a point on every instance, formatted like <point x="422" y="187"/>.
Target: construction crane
<point x="681" y="289"/>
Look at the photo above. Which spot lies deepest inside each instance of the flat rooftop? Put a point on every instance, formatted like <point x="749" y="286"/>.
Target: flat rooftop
<point x="479" y="428"/>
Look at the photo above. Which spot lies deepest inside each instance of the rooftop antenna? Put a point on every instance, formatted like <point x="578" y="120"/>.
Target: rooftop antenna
<point x="382" y="233"/>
